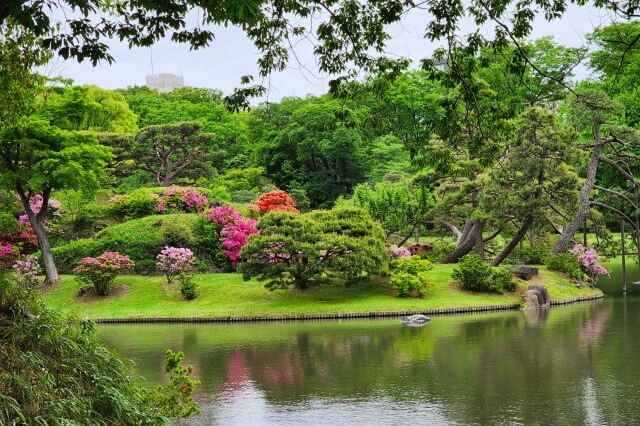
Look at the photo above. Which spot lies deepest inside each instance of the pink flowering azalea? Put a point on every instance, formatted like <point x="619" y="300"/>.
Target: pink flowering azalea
<point x="27" y="268"/>
<point x="102" y="270"/>
<point x="234" y="230"/>
<point x="589" y="260"/>
<point x="173" y="261"/>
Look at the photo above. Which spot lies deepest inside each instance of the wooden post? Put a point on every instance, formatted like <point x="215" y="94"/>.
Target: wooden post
<point x="624" y="268"/>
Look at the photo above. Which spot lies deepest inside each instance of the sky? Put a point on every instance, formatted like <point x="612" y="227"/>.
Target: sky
<point x="232" y="55"/>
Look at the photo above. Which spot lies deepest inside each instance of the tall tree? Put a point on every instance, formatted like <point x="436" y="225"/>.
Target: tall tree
<point x="37" y="159"/>
<point x="174" y="150"/>
<point x="533" y="180"/>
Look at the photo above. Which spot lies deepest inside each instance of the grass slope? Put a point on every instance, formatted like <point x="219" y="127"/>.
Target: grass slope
<point x="227" y="295"/>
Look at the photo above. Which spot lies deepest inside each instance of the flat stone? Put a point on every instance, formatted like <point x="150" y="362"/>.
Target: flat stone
<point x="417" y="320"/>
<point x="524" y="271"/>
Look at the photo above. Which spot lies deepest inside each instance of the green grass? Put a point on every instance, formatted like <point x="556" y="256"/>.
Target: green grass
<point x="227" y="295"/>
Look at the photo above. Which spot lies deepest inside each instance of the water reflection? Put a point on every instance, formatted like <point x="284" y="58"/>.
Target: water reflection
<point x="574" y="364"/>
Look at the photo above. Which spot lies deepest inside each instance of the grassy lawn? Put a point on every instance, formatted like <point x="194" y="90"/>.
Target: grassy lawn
<point x="227" y="295"/>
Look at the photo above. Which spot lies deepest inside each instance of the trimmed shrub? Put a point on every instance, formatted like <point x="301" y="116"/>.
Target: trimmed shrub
<point x="135" y="204"/>
<point x="566" y="263"/>
<point x="474" y="274"/>
<point x="176" y="232"/>
<point x="139" y="239"/>
<point x="409" y="276"/>
<point x="275" y="201"/>
<point x="99" y="272"/>
<point x="314" y="248"/>
<point x="502" y="280"/>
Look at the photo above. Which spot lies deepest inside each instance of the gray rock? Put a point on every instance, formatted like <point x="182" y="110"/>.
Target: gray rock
<point x="536" y="296"/>
<point x="417" y="320"/>
<point x="525" y="272"/>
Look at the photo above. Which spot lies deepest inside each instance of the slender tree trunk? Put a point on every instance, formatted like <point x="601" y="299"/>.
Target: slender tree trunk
<point x="37" y="223"/>
<point x="517" y="238"/>
<point x="585" y="198"/>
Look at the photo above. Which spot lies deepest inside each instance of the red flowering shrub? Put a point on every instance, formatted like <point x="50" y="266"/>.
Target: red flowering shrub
<point x="276" y="201"/>
<point x="100" y="271"/>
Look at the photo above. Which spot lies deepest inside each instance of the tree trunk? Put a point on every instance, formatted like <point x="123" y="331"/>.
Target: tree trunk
<point x="37" y="223"/>
<point x="585" y="198"/>
<point x="50" y="270"/>
<point x="517" y="238"/>
<point x="465" y="245"/>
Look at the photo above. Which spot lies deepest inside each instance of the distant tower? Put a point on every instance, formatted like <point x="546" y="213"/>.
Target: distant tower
<point x="441" y="64"/>
<point x="164" y="82"/>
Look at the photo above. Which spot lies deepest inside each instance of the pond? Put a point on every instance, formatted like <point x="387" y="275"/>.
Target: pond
<point x="568" y="365"/>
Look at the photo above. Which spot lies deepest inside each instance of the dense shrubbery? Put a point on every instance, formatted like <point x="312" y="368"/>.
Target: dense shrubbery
<point x="143" y="202"/>
<point x="99" y="272"/>
<point x="409" y="276"/>
<point x="233" y="230"/>
<point x="566" y="263"/>
<point x="313" y="248"/>
<point x="54" y="371"/>
<point x="532" y="256"/>
<point x="474" y="274"/>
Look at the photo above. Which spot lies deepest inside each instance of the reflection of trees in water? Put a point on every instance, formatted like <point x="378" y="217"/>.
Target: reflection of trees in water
<point x="497" y="368"/>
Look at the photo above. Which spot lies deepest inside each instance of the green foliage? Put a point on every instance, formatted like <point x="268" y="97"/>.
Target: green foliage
<point x="54" y="371"/>
<point x="566" y="263"/>
<point x="502" y="280"/>
<point x="410" y="277"/>
<point x="208" y="245"/>
<point x="176" y="232"/>
<point x="176" y="398"/>
<point x="532" y="255"/>
<point x="188" y="286"/>
<point x="137" y="203"/>
<point x="302" y="250"/>
<point x="474" y="274"/>
<point x="140" y="239"/>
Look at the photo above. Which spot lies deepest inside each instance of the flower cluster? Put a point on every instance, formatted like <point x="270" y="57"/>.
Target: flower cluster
<point x="36" y="205"/>
<point x="275" y="201"/>
<point x="7" y="255"/>
<point x="173" y="261"/>
<point x="102" y="270"/>
<point x="396" y="252"/>
<point x="27" y="268"/>
<point x="187" y="200"/>
<point x="589" y="261"/>
<point x="234" y="230"/>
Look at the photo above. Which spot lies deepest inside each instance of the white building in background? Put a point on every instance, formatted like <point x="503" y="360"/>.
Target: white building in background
<point x="164" y="82"/>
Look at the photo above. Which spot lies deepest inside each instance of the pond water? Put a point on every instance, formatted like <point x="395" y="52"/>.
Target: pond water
<point x="568" y="365"/>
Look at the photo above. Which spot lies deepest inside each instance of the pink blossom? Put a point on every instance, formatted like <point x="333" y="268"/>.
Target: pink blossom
<point x="27" y="268"/>
<point x="173" y="261"/>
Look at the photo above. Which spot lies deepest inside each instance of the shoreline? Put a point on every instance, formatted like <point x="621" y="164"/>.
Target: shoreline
<point x="313" y="317"/>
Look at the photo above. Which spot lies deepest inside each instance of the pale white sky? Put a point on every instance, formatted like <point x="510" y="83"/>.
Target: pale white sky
<point x="232" y="55"/>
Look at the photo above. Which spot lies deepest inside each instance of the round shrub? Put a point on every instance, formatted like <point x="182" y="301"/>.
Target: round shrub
<point x="175" y="232"/>
<point x="138" y="203"/>
<point x="409" y="276"/>
<point x="502" y="280"/>
<point x="275" y="201"/>
<point x="188" y="287"/>
<point x="472" y="273"/>
<point x="174" y="261"/>
<point x="100" y="271"/>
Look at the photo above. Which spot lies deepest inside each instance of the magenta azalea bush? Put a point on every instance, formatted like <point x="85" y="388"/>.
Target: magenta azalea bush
<point x="589" y="260"/>
<point x="27" y="268"/>
<point x="182" y="199"/>
<point x="175" y="261"/>
<point x="234" y="230"/>
<point x="100" y="271"/>
<point x="7" y="255"/>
